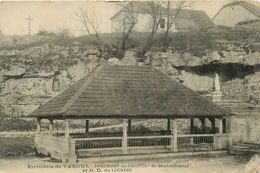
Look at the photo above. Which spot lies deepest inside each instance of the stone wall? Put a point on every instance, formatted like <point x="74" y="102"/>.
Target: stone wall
<point x="246" y="128"/>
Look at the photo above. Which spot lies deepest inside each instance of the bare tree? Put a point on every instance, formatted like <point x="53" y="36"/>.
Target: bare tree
<point x="172" y="15"/>
<point x="129" y="19"/>
<point x="90" y="25"/>
<point x="156" y="12"/>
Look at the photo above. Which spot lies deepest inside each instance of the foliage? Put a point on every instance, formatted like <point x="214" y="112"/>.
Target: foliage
<point x="16" y="124"/>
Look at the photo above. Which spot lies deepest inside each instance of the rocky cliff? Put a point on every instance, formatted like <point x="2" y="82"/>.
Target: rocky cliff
<point x="31" y="75"/>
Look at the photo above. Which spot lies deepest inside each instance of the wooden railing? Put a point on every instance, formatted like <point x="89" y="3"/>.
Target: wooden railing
<point x="144" y="141"/>
<point x="70" y="148"/>
<point x="95" y="143"/>
<point x="195" y="142"/>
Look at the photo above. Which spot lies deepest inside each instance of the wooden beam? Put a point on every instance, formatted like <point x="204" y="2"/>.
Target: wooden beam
<point x="220" y="125"/>
<point x="203" y="125"/>
<point x="129" y="125"/>
<point x="124" y="139"/>
<point x="51" y="126"/>
<point x="168" y="124"/>
<point x="87" y="126"/>
<point x="192" y="125"/>
<point x="229" y="131"/>
<point x="213" y="125"/>
<point x="67" y="128"/>
<point x="173" y="146"/>
<point x="38" y="125"/>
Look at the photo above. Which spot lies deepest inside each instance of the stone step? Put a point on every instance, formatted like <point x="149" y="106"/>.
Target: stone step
<point x="246" y="147"/>
<point x="237" y="104"/>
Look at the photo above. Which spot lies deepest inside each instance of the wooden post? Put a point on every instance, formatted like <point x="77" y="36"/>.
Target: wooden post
<point x="168" y="124"/>
<point x="192" y="125"/>
<point x="87" y="126"/>
<point x="203" y="125"/>
<point x="38" y="126"/>
<point x="213" y="125"/>
<point x="224" y="125"/>
<point x="220" y="127"/>
<point x="124" y="139"/>
<point x="173" y="146"/>
<point x="67" y="128"/>
<point x="51" y="126"/>
<point x="229" y="131"/>
<point x="129" y="125"/>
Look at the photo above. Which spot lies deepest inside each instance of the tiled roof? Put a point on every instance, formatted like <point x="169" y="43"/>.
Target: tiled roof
<point x="253" y="8"/>
<point x="200" y="18"/>
<point x="128" y="91"/>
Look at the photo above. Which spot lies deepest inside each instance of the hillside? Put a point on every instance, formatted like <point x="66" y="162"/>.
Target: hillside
<point x="34" y="69"/>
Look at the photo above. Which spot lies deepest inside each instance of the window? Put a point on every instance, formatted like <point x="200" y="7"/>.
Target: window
<point x="162" y="23"/>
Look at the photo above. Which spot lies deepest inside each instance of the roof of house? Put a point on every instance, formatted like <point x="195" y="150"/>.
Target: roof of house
<point x="253" y="8"/>
<point x="200" y="18"/>
<point x="128" y="91"/>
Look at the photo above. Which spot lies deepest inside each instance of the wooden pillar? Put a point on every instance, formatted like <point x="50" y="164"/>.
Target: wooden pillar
<point x="129" y="125"/>
<point x="220" y="127"/>
<point x="173" y="146"/>
<point x="124" y="139"/>
<point x="213" y="125"/>
<point x="192" y="125"/>
<point x="224" y="125"/>
<point x="51" y="126"/>
<point x="229" y="131"/>
<point x="87" y="126"/>
<point x="203" y="125"/>
<point x="67" y="128"/>
<point x="168" y="124"/>
<point x="38" y="125"/>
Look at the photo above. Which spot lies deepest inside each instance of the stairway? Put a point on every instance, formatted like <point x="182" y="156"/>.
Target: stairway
<point x="239" y="106"/>
<point x="245" y="148"/>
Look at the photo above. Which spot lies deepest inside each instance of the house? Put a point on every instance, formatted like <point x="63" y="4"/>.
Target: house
<point x="238" y="13"/>
<point x="126" y="93"/>
<point x="186" y="19"/>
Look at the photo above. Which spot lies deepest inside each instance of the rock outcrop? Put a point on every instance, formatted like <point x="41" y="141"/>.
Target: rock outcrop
<point x="31" y="76"/>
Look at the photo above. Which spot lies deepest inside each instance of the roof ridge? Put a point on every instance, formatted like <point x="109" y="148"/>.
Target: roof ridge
<point x="80" y="90"/>
<point x="242" y="3"/>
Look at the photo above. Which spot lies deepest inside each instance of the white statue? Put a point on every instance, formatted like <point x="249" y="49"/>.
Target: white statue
<point x="217" y="83"/>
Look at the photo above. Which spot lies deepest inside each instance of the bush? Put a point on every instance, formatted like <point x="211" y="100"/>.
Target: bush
<point x="17" y="124"/>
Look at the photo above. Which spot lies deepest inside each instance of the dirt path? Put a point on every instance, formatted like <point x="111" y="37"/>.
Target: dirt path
<point x="218" y="164"/>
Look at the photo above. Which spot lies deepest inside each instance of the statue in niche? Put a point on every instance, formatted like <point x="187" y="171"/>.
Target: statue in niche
<point x="216" y="83"/>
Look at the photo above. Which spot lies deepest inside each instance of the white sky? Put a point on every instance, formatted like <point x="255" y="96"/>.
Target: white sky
<point x="56" y="16"/>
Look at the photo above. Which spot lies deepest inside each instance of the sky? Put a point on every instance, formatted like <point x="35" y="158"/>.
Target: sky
<point x="56" y="16"/>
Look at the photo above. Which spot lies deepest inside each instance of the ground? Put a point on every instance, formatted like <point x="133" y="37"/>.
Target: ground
<point x="219" y="164"/>
<point x="19" y="152"/>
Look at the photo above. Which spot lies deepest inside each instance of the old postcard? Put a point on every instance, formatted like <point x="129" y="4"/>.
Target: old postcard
<point x="129" y="86"/>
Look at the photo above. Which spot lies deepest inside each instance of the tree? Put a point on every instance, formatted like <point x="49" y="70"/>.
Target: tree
<point x="172" y="16"/>
<point x="129" y="19"/>
<point x="91" y="26"/>
<point x="156" y="12"/>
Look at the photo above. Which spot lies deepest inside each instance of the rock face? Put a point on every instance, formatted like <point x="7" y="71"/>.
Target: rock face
<point x="31" y="76"/>
<point x="196" y="82"/>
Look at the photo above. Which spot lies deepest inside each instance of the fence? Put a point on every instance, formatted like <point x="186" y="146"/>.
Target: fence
<point x="199" y="142"/>
<point x="194" y="142"/>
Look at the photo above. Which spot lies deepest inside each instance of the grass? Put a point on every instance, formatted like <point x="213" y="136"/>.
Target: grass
<point x="15" y="146"/>
<point x="17" y="124"/>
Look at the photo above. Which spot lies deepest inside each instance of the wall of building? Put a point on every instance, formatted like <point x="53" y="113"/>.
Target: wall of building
<point x="246" y="128"/>
<point x="145" y="22"/>
<point x="230" y="16"/>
